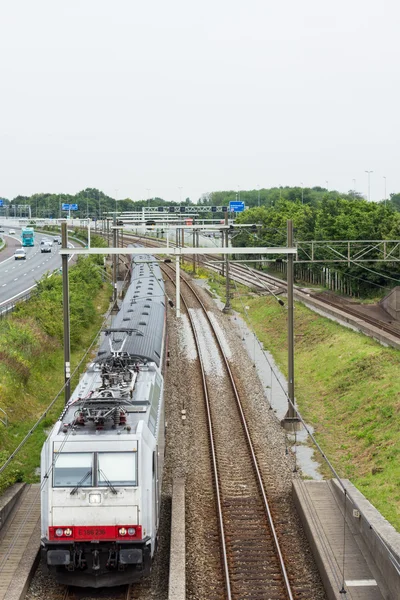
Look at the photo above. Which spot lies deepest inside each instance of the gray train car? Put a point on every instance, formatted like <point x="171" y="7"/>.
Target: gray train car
<point x="101" y="466"/>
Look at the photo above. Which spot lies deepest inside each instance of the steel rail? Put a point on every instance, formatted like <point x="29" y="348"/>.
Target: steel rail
<point x="248" y="440"/>
<point x="302" y="294"/>
<point x="213" y="452"/>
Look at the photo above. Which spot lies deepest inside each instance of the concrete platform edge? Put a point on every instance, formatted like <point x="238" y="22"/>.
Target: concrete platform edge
<point x="26" y="568"/>
<point x="177" y="576"/>
<point x="8" y="500"/>
<point x="330" y="577"/>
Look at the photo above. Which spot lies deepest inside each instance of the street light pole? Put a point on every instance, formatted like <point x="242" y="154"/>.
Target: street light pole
<point x="384" y="177"/>
<point x="116" y="200"/>
<point x="369" y="185"/>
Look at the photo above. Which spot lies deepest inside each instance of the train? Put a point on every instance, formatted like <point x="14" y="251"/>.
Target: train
<point x="102" y="463"/>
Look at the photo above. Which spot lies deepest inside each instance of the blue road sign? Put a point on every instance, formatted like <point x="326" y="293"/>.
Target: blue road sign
<point x="73" y="207"/>
<point x="64" y="206"/>
<point x="236" y="206"/>
<point x="1" y="202"/>
<point x="213" y="209"/>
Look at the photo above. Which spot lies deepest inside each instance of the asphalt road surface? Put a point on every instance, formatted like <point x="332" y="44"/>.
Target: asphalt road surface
<point x="18" y="277"/>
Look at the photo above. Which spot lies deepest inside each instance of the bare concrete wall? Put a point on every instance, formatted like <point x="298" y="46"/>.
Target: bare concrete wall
<point x="381" y="539"/>
<point x="391" y="303"/>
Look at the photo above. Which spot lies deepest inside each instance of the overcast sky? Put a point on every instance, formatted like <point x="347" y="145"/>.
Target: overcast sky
<point x="208" y="95"/>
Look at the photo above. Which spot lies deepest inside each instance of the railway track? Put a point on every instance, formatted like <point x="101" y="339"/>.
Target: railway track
<point x="136" y="591"/>
<point x="303" y="294"/>
<point x="252" y="562"/>
<point x="264" y="283"/>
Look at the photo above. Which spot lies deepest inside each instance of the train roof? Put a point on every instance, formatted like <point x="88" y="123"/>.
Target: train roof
<point x="113" y="411"/>
<point x="138" y="327"/>
<point x="124" y="385"/>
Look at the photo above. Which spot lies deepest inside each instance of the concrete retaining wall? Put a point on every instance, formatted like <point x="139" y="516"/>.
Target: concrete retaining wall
<point x="8" y="500"/>
<point x="391" y="303"/>
<point x="381" y="538"/>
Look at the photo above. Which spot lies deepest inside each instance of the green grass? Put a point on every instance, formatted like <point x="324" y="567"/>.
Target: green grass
<point x="347" y="387"/>
<point x="32" y="360"/>
<point x="25" y="400"/>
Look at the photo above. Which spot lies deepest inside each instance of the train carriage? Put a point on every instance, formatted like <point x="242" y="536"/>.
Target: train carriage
<point x="101" y="466"/>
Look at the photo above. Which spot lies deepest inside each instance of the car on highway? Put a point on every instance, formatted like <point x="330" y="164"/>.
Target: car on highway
<point x="57" y="239"/>
<point x="1" y="229"/>
<point x="20" y="254"/>
<point x="12" y="232"/>
<point x="45" y="246"/>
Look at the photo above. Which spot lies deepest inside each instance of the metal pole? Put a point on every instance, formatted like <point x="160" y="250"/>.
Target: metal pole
<point x="194" y="256"/>
<point x="223" y="244"/>
<point x="369" y="185"/>
<point x="385" y="189"/>
<point x="115" y="262"/>
<point x="67" y="343"/>
<point x="88" y="226"/>
<point x="227" y="306"/>
<point x="291" y="413"/>
<point x="178" y="287"/>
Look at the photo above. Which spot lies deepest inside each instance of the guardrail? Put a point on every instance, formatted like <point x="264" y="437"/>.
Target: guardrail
<point x="7" y="308"/>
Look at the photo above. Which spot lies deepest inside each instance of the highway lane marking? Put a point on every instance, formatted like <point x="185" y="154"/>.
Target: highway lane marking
<point x="16" y="279"/>
<point x="4" y="285"/>
<point x="32" y="287"/>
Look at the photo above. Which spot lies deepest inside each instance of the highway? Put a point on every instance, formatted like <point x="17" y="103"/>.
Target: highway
<point x="18" y="277"/>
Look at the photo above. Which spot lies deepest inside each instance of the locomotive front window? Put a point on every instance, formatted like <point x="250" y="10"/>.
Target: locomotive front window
<point x="117" y="468"/>
<point x="73" y="469"/>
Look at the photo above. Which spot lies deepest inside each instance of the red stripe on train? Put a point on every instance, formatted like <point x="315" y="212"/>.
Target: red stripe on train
<point x="95" y="532"/>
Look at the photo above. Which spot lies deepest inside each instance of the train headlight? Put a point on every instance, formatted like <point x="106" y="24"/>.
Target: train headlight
<point x="122" y="531"/>
<point x="59" y="532"/>
<point x="94" y="498"/>
<point x="131" y="531"/>
<point x="68" y="532"/>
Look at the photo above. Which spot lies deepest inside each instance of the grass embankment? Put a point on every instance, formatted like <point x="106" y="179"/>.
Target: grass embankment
<point x="347" y="388"/>
<point x="32" y="359"/>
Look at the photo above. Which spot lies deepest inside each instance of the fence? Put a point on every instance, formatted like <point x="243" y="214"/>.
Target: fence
<point x="325" y="277"/>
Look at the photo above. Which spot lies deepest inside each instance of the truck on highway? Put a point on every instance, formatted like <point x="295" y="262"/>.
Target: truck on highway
<point x="28" y="236"/>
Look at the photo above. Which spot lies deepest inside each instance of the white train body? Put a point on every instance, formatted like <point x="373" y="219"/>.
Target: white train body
<point x="101" y="466"/>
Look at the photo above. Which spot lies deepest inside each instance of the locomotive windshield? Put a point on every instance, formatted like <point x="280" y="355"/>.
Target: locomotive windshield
<point x="71" y="469"/>
<point x="98" y="469"/>
<point x="119" y="468"/>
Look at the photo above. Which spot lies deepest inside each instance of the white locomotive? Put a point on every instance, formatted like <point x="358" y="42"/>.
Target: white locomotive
<point x="101" y="466"/>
